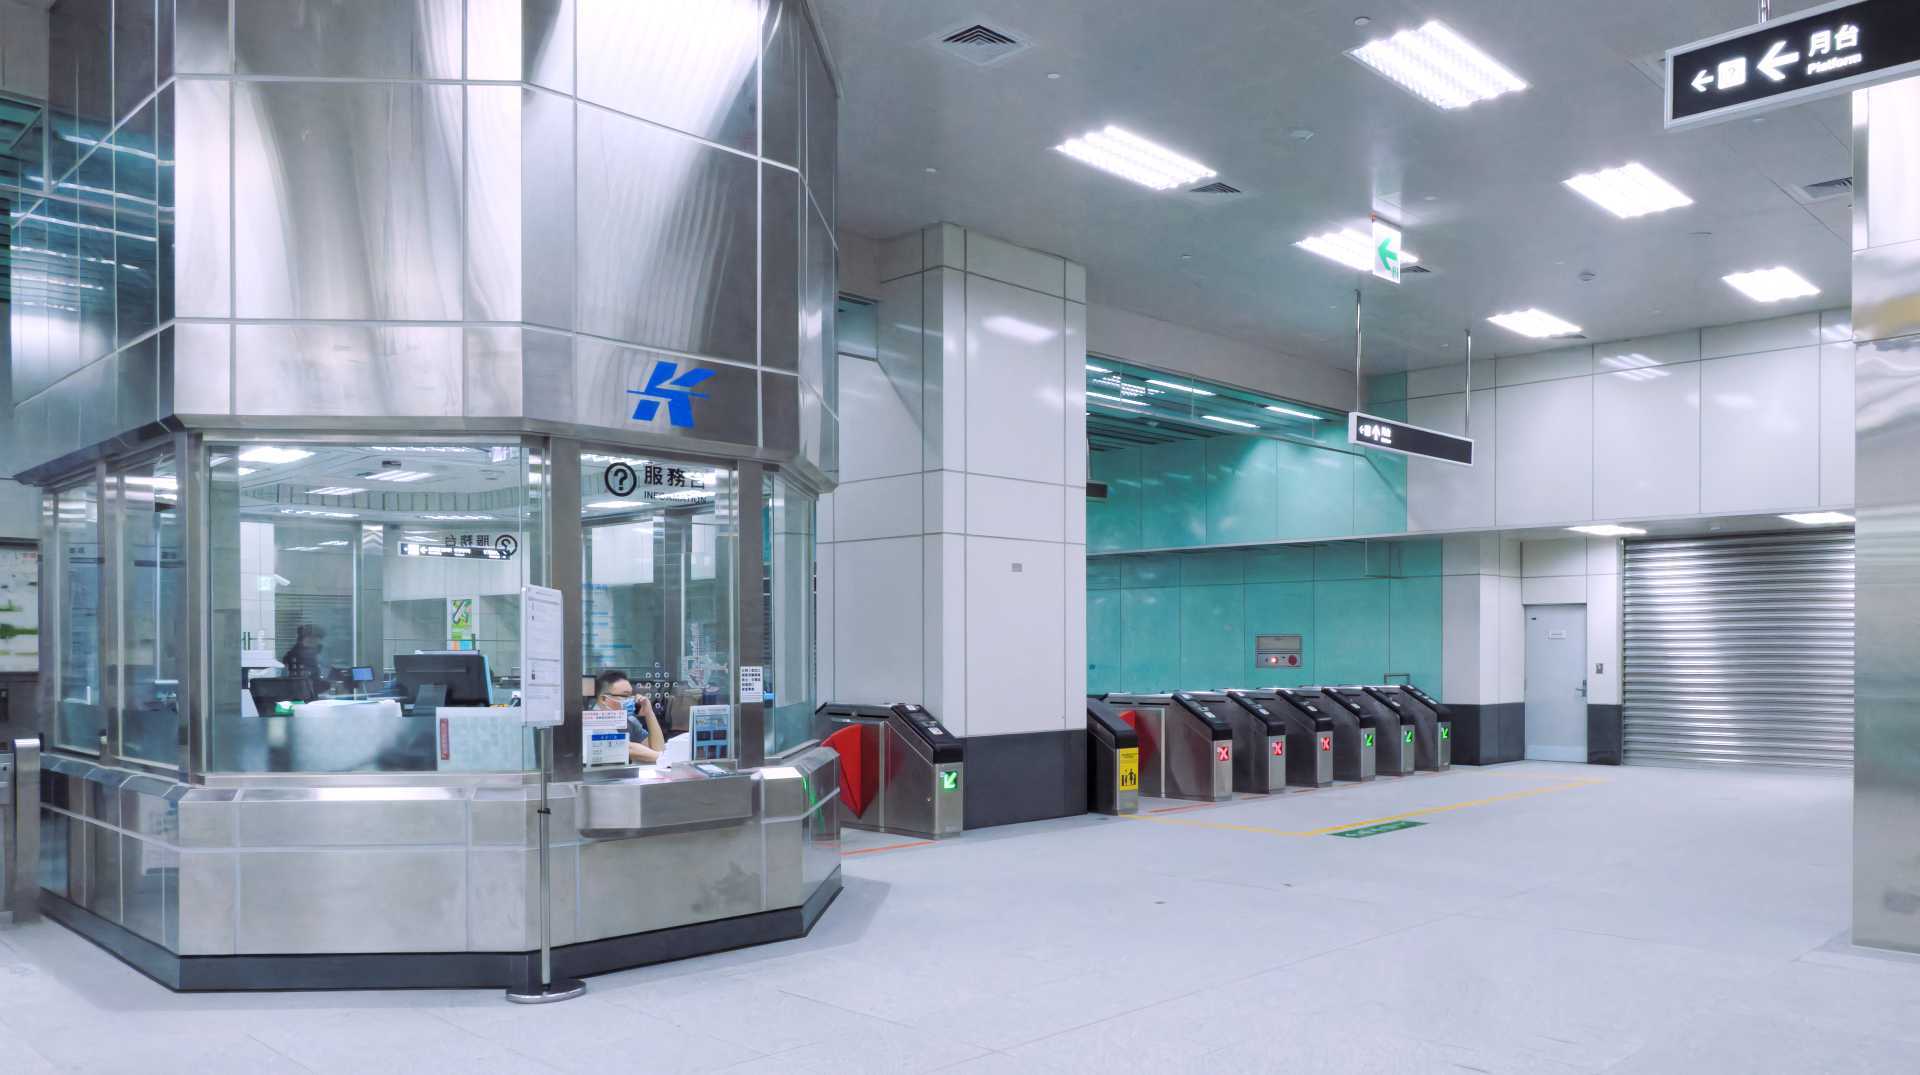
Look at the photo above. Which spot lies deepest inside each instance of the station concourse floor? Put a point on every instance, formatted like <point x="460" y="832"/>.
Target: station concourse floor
<point x="1544" y="918"/>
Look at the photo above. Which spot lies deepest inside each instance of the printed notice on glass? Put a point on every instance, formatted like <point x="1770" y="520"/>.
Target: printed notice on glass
<point x="542" y="705"/>
<point x="753" y="681"/>
<point x="603" y="737"/>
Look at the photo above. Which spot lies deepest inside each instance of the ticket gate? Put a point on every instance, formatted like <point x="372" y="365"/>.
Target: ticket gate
<point x="900" y="769"/>
<point x="1356" y="737"/>
<point x="1436" y="742"/>
<point x="1260" y="752"/>
<point x="19" y="830"/>
<point x="1395" y="751"/>
<point x="1113" y="761"/>
<point x="1310" y="731"/>
<point x="1186" y="749"/>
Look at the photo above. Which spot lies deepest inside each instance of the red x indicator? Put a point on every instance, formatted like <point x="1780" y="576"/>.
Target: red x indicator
<point x="1326" y="742"/>
<point x="1279" y="748"/>
<point x="1224" y="752"/>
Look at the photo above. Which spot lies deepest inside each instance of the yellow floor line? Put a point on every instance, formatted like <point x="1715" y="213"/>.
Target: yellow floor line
<point x="1421" y="812"/>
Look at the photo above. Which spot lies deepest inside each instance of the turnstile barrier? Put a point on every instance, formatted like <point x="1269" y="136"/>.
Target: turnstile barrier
<point x="1310" y="731"/>
<point x="1259" y="742"/>
<point x="901" y="769"/>
<point x="1395" y="744"/>
<point x="20" y="830"/>
<point x="1113" y="761"/>
<point x="1436" y="728"/>
<point x="1356" y="737"/>
<point x="1186" y="749"/>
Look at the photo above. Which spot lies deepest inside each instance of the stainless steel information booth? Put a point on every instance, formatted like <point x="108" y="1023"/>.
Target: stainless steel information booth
<point x="1186" y="749"/>
<point x="1432" y="726"/>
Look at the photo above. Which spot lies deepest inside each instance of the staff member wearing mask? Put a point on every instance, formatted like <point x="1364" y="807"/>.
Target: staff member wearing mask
<point x="613" y="690"/>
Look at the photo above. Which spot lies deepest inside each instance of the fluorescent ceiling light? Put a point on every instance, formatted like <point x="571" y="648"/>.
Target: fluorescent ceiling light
<point x="1115" y="399"/>
<point x="1091" y="368"/>
<point x="1439" y="66"/>
<point x="1607" y="530"/>
<point x="267" y="453"/>
<point x="397" y="476"/>
<point x="1819" y="518"/>
<point x="443" y="449"/>
<point x="1180" y="387"/>
<point x="160" y="482"/>
<point x="312" y="514"/>
<point x="1130" y="156"/>
<point x="1228" y="421"/>
<point x="616" y="505"/>
<point x="335" y="490"/>
<point x="1349" y="248"/>
<point x="1771" y="285"/>
<point x="1536" y="323"/>
<point x="1291" y="413"/>
<point x="1629" y="191"/>
<point x="458" y="518"/>
<point x="332" y="544"/>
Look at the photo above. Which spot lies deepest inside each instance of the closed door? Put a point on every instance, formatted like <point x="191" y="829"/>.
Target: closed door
<point x="1557" y="682"/>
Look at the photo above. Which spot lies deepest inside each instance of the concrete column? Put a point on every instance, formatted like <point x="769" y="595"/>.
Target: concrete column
<point x="957" y="535"/>
<point x="1886" y="333"/>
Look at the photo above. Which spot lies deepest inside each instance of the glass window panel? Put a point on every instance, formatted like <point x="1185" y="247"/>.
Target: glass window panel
<point x="366" y="606"/>
<point x="80" y="719"/>
<point x="152" y="646"/>
<point x="787" y="526"/>
<point x="658" y="541"/>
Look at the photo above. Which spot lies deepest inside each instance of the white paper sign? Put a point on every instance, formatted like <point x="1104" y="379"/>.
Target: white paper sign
<point x="753" y="680"/>
<point x="542" y="703"/>
<point x="603" y="737"/>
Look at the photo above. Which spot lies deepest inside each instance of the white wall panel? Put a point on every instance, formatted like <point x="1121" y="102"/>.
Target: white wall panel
<point x="1752" y="337"/>
<point x="1008" y="508"/>
<point x="1016" y="644"/>
<point x="828" y="682"/>
<point x="1646" y="442"/>
<point x="1460" y="638"/>
<point x="1015" y="265"/>
<point x="1015" y="391"/>
<point x="1073" y="374"/>
<point x="1511" y="615"/>
<point x="944" y="630"/>
<point x="1603" y="556"/>
<point x="885" y="440"/>
<point x="1559" y="556"/>
<point x="1644" y="351"/>
<point x="877" y="593"/>
<point x="943" y="501"/>
<point x="879" y="508"/>
<point x="1442" y="496"/>
<point x="1554" y="590"/>
<point x="1073" y="666"/>
<point x="1546" y="366"/>
<point x="1759" y="437"/>
<point x="1603" y="639"/>
<point x="1447" y="380"/>
<point x="1544" y="452"/>
<point x="1836" y="425"/>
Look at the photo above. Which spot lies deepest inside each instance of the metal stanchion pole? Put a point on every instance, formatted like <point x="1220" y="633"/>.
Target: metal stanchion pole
<point x="547" y="989"/>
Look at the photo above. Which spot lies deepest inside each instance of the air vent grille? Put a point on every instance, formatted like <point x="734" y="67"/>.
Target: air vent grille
<point x="1414" y="268"/>
<point x="980" y="44"/>
<point x="1216" y="188"/>
<point x="1825" y="189"/>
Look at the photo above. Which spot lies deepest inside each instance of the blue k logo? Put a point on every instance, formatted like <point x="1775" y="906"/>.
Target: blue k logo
<point x="666" y="384"/>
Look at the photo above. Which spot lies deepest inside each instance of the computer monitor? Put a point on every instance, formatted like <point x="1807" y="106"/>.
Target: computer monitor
<point x="362" y="674"/>
<point x="462" y="675"/>
<point x="268" y="691"/>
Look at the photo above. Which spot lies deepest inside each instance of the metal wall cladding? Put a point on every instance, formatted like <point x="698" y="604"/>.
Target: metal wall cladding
<point x="352" y="197"/>
<point x="782" y="92"/>
<point x="520" y="212"/>
<point x="666" y="233"/>
<point x="609" y="380"/>
<point x="202" y="202"/>
<point x="348" y="370"/>
<point x="348" y="38"/>
<point x="135" y="26"/>
<point x="781" y="204"/>
<point x="201" y="42"/>
<point x="1740" y="651"/>
<point x="689" y="66"/>
<point x="521" y="41"/>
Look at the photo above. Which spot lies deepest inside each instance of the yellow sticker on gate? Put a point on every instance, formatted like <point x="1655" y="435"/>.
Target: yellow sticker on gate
<point x="1129" y="769"/>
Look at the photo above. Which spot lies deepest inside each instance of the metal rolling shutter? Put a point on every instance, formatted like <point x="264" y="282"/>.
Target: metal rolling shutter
<point x="1739" y="651"/>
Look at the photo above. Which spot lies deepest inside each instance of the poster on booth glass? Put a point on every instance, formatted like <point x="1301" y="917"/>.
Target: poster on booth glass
<point x="19" y="609"/>
<point x="603" y="737"/>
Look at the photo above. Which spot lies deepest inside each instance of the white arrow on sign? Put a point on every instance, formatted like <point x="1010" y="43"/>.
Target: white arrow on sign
<point x="1770" y="65"/>
<point x="1701" y="81"/>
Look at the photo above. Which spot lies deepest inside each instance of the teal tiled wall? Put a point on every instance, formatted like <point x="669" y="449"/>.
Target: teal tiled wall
<point x="1187" y="620"/>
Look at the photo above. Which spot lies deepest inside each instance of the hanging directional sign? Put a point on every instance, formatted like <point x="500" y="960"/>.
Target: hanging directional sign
<point x="1376" y="432"/>
<point x="1386" y="251"/>
<point x="1834" y="48"/>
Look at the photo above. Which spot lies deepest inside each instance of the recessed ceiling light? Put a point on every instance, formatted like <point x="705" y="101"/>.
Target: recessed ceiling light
<point x="1819" y="518"/>
<point x="1115" y="399"/>
<point x="335" y="490"/>
<point x="1053" y="74"/>
<point x="1362" y="20"/>
<point x="1608" y="530"/>
<point x="1130" y="156"/>
<point x="1186" y="257"/>
<point x="1229" y="421"/>
<point x="1771" y="285"/>
<point x="1536" y="323"/>
<point x="1300" y="134"/>
<point x="933" y="171"/>
<point x="1291" y="413"/>
<point x="311" y="514"/>
<point x="402" y="476"/>
<point x="333" y="544"/>
<point x="615" y="505"/>
<point x="1438" y="66"/>
<point x="1628" y="191"/>
<point x="458" y="518"/>
<point x="267" y="453"/>
<point x="1349" y="248"/>
<point x="1180" y="387"/>
<point x="1091" y="368"/>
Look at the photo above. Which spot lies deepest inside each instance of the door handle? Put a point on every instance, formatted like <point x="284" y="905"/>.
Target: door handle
<point x="1583" y="688"/>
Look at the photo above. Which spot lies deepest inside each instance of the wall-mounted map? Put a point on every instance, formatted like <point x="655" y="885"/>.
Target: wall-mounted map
<point x="19" y="609"/>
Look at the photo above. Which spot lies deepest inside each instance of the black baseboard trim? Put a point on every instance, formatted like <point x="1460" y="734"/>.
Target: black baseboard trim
<point x="1604" y="734"/>
<point x="436" y="970"/>
<point x="1489" y="734"/>
<point x="1027" y="776"/>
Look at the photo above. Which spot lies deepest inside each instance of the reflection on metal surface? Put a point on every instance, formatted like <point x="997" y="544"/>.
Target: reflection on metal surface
<point x="348" y="370"/>
<point x="391" y="39"/>
<point x="689" y="66"/>
<point x="1886" y="782"/>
